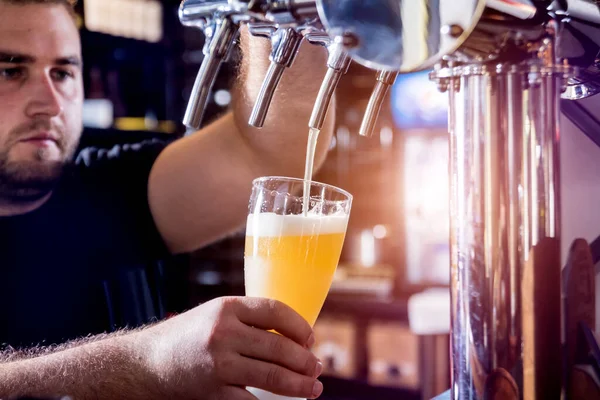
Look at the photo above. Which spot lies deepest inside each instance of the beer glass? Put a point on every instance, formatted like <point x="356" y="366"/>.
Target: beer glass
<point x="292" y="250"/>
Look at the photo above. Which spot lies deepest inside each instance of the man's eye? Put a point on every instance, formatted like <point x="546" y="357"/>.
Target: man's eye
<point x="61" y="75"/>
<point x="13" y="73"/>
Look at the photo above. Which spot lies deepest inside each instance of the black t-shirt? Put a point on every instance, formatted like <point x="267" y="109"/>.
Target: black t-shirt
<point x="57" y="262"/>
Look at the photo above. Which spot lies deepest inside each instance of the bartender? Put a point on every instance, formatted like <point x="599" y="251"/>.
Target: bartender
<point x="67" y="221"/>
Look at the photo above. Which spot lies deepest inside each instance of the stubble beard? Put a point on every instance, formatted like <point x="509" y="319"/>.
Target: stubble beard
<point x="23" y="182"/>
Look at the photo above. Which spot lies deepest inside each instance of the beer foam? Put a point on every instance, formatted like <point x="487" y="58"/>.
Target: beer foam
<point x="271" y="224"/>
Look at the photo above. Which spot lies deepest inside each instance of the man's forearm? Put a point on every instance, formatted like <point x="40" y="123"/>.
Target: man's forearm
<point x="100" y="369"/>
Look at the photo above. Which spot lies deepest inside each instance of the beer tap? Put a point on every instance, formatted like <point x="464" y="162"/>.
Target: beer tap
<point x="385" y="79"/>
<point x="338" y="63"/>
<point x="285" y="45"/>
<point x="217" y="19"/>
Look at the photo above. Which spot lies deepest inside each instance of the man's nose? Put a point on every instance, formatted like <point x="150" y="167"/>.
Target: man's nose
<point x="45" y="99"/>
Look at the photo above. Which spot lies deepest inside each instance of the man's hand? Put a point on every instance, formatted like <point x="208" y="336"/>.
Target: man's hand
<point x="211" y="352"/>
<point x="215" y="350"/>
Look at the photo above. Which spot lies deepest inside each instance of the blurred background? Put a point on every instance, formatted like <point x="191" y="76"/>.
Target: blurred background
<point x="383" y="332"/>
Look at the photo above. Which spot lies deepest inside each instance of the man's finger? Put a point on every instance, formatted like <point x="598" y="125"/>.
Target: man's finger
<point x="272" y="378"/>
<point x="278" y="349"/>
<point x="274" y="315"/>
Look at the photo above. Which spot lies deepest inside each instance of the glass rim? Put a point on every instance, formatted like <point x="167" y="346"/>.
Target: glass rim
<point x="256" y="181"/>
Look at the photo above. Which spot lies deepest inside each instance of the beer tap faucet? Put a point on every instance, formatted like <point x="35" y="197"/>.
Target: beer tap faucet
<point x="219" y="20"/>
<point x="338" y="63"/>
<point x="385" y="79"/>
<point x="285" y="45"/>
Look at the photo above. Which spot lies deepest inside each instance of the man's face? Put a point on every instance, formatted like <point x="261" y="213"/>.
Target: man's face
<point x="41" y="95"/>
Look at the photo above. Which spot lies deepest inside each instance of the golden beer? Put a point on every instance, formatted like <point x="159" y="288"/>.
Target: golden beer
<point x="292" y="258"/>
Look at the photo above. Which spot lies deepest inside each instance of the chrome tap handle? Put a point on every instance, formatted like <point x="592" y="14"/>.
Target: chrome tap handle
<point x="337" y="65"/>
<point x="262" y="29"/>
<point x="385" y="79"/>
<point x="330" y="83"/>
<point x="220" y="36"/>
<point x="198" y="13"/>
<point x="318" y="37"/>
<point x="265" y="96"/>
<point x="286" y="43"/>
<point x="219" y="20"/>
